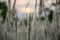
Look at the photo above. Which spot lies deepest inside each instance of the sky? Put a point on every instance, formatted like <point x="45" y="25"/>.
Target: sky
<point x="21" y="6"/>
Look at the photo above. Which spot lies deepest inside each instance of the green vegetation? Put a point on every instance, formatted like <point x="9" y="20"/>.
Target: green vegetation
<point x="42" y="18"/>
<point x="3" y="7"/>
<point x="50" y="16"/>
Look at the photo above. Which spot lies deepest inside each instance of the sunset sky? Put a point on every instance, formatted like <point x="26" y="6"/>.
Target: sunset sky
<point x="21" y="6"/>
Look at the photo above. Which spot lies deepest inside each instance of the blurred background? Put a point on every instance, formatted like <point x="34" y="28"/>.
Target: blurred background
<point x="29" y="19"/>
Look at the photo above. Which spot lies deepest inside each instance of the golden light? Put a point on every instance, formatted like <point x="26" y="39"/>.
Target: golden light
<point x="26" y="10"/>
